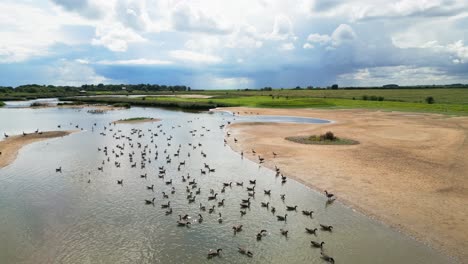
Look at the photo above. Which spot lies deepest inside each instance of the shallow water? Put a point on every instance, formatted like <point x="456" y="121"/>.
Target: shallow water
<point x="49" y="217"/>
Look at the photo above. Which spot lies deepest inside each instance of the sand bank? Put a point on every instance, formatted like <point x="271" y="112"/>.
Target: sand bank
<point x="409" y="170"/>
<point x="10" y="146"/>
<point x="136" y="121"/>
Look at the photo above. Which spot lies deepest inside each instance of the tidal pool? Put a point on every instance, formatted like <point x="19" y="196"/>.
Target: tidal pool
<point x="50" y="217"/>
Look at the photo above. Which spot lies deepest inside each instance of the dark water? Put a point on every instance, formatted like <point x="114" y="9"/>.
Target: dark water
<point x="49" y="217"/>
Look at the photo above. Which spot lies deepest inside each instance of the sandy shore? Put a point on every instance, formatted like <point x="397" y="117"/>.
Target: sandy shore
<point x="410" y="170"/>
<point x="146" y="120"/>
<point x="10" y="146"/>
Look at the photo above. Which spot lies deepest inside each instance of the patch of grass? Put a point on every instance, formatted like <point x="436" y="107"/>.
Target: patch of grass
<point x="124" y="105"/>
<point x="2" y="104"/>
<point x="326" y="139"/>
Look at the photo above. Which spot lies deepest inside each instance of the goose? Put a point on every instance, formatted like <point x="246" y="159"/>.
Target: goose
<point x="283" y="196"/>
<point x="211" y="210"/>
<point x="165" y="196"/>
<point x="274" y="154"/>
<point x="216" y="253"/>
<point x="317" y="244"/>
<point x="200" y="218"/>
<point x="247" y="205"/>
<point x="212" y="197"/>
<point x="166" y="205"/>
<point x="220" y="219"/>
<point x="221" y="203"/>
<point x="243" y="212"/>
<point x="185" y="217"/>
<point x="240" y="183"/>
<point x="273" y="210"/>
<point x="251" y="189"/>
<point x="261" y="234"/>
<point x="291" y="208"/>
<point x="246" y="252"/>
<point x="150" y="187"/>
<point x="5" y="134"/>
<point x="327" y="258"/>
<point x="326" y="227"/>
<point x="252" y="181"/>
<point x="265" y="204"/>
<point x="223" y="190"/>
<point x="169" y="182"/>
<point x="168" y="212"/>
<point x="143" y="176"/>
<point x="150" y="201"/>
<point x="183" y="223"/>
<point x="59" y="169"/>
<point x="284" y="232"/>
<point x="173" y="190"/>
<point x="202" y="207"/>
<point x="192" y="200"/>
<point x="237" y="229"/>
<point x="309" y="213"/>
<point x="267" y="192"/>
<point x="311" y="231"/>
<point x="246" y="200"/>
<point x="282" y="218"/>
<point x="227" y="184"/>
<point x="120" y="182"/>
<point x="329" y="195"/>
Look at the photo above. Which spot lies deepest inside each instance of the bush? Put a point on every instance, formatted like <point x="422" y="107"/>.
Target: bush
<point x="430" y="100"/>
<point x="328" y="136"/>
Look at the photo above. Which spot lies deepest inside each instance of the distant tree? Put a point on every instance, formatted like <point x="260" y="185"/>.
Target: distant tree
<point x="310" y="87"/>
<point x="297" y="88"/>
<point x="334" y="86"/>
<point x="430" y="100"/>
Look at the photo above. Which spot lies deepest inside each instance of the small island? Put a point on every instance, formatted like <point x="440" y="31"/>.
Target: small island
<point x="134" y="120"/>
<point x="325" y="139"/>
<point x="12" y="144"/>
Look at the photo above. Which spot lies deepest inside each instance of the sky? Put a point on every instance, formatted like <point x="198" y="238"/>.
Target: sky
<point x="220" y="44"/>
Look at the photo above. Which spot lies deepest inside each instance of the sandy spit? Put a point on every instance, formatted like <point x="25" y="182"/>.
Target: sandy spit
<point x="10" y="146"/>
<point x="409" y="170"/>
<point x="146" y="120"/>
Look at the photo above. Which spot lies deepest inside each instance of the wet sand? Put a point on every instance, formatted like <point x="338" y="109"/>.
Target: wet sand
<point x="146" y="120"/>
<point x="410" y="170"/>
<point x="10" y="146"/>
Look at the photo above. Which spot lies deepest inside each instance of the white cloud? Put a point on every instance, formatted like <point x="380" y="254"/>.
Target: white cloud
<point x="74" y="74"/>
<point x="343" y="33"/>
<point x="191" y="56"/>
<point x="308" y="46"/>
<point x="29" y="31"/>
<point x="402" y="75"/>
<point x="282" y="28"/>
<point x="135" y="62"/>
<point x="116" y="37"/>
<point x="287" y="46"/>
<point x="317" y="38"/>
<point x="186" y="17"/>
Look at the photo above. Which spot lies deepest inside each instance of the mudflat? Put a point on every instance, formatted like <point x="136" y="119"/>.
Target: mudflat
<point x="410" y="170"/>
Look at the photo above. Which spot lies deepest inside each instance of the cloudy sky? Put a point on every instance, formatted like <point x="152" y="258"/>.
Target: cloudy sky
<point x="234" y="44"/>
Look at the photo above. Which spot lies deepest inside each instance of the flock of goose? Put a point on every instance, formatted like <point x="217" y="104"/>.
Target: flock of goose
<point x="127" y="148"/>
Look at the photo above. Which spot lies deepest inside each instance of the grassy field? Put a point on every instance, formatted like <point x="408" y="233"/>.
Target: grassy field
<point x="451" y="96"/>
<point x="2" y="103"/>
<point x="311" y="102"/>
<point x="447" y="100"/>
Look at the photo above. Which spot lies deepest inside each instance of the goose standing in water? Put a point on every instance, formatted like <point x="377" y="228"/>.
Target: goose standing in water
<point x="246" y="252"/>
<point x="311" y="231"/>
<point x="291" y="208"/>
<point x="150" y="201"/>
<point x="282" y="218"/>
<point x="120" y="182"/>
<point x="309" y="213"/>
<point x="59" y="169"/>
<point x="326" y="227"/>
<point x="317" y="244"/>
<point x="168" y="212"/>
<point x="220" y="219"/>
<point x="150" y="187"/>
<point x="284" y="232"/>
<point x="237" y="229"/>
<point x="261" y="234"/>
<point x="327" y="258"/>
